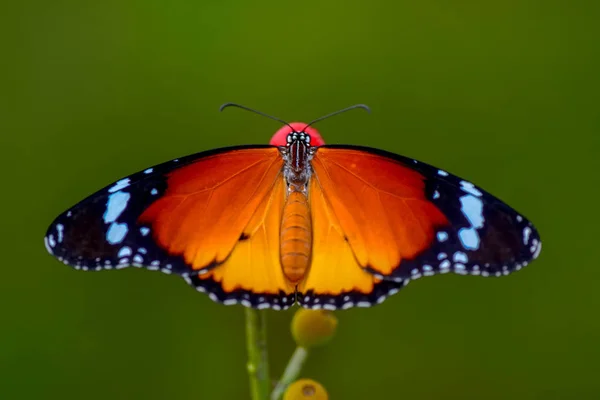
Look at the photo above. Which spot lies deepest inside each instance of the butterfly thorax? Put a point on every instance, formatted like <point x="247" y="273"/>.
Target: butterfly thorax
<point x="297" y="155"/>
<point x="296" y="225"/>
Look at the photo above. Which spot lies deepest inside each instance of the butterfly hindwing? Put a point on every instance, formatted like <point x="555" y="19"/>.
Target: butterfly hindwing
<point x="404" y="218"/>
<point x="336" y="279"/>
<point x="251" y="274"/>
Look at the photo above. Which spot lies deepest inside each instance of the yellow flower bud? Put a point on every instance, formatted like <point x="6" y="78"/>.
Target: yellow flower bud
<point x="313" y="327"/>
<point x="305" y="389"/>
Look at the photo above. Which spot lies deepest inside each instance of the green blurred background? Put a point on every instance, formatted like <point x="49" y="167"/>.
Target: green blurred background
<point x="503" y="93"/>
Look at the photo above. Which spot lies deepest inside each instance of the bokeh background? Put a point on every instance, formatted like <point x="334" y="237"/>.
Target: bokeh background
<point x="503" y="93"/>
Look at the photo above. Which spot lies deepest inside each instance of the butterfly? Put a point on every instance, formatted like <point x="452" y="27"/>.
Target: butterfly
<point x="295" y="222"/>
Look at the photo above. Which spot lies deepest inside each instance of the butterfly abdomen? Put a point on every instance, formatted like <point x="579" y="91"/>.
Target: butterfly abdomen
<point x="296" y="237"/>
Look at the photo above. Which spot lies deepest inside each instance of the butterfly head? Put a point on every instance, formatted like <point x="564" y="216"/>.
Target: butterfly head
<point x="297" y="131"/>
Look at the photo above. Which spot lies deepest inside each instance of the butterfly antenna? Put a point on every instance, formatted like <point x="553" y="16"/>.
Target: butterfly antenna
<point x="363" y="106"/>
<point x="224" y="106"/>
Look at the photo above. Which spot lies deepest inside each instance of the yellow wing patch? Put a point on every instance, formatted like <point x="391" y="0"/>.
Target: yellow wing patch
<point x="252" y="271"/>
<point x="334" y="269"/>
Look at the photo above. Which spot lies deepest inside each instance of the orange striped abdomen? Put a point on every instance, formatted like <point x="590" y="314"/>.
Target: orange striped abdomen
<point x="296" y="237"/>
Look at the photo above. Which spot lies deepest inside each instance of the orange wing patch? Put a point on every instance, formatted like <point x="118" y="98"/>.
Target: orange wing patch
<point x="380" y="205"/>
<point x="208" y="204"/>
<point x="252" y="273"/>
<point x="335" y="278"/>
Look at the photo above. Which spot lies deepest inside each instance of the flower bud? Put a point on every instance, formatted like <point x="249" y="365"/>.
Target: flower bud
<point x="313" y="327"/>
<point x="305" y="389"/>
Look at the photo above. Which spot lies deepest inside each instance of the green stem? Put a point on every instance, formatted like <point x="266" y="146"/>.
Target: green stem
<point x="258" y="364"/>
<point x="291" y="373"/>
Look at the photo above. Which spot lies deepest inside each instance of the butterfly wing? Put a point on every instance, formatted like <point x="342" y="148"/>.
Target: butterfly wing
<point x="185" y="216"/>
<point x="404" y="218"/>
<point x="336" y="279"/>
<point x="252" y="274"/>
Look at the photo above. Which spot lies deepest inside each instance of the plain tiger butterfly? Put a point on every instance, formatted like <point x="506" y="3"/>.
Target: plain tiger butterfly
<point x="295" y="221"/>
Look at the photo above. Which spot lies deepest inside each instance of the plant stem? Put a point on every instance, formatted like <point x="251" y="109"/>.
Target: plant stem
<point x="291" y="373"/>
<point x="258" y="363"/>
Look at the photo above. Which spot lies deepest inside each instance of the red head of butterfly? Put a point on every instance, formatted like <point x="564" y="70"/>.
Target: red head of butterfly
<point x="280" y="138"/>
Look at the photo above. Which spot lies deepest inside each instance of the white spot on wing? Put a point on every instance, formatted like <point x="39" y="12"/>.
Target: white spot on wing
<point x="124" y="252"/>
<point x="460" y="268"/>
<point x="444" y="266"/>
<point x="116" y="233"/>
<point x="442" y="236"/>
<point x="144" y="230"/>
<point x="116" y="204"/>
<point x="470" y="188"/>
<point x="537" y="250"/>
<point x="461" y="257"/>
<point x="472" y="209"/>
<point x="48" y="245"/>
<point x="246" y="303"/>
<point x="469" y="238"/>
<point x="442" y="172"/>
<point x="149" y="171"/>
<point x="123" y="183"/>
<point x="526" y="233"/>
<point x="59" y="230"/>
